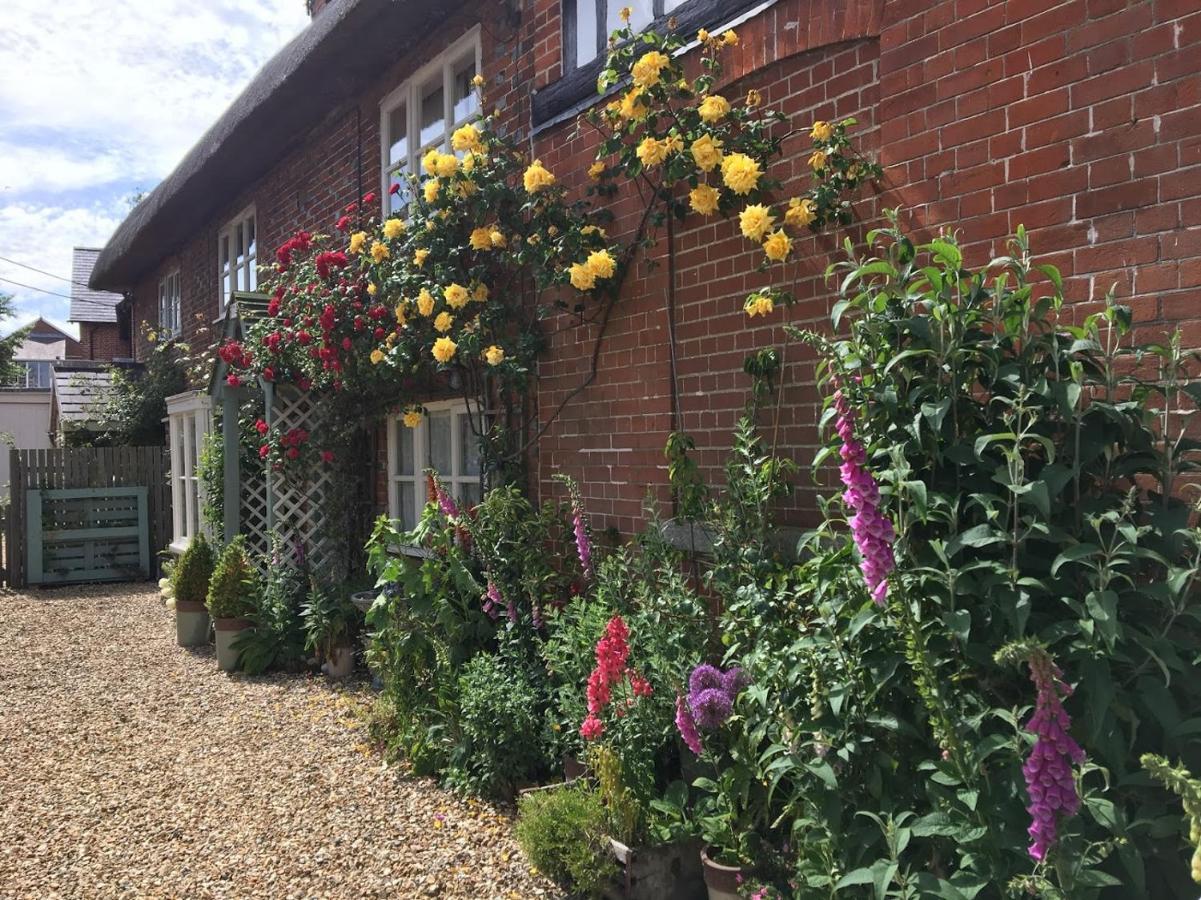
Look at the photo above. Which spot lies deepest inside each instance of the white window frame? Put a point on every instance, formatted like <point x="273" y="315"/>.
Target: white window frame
<point x="602" y="17"/>
<point x="409" y="95"/>
<point x="423" y="459"/>
<point x="189" y="420"/>
<point x="27" y="379"/>
<point x="243" y="276"/>
<point x="169" y="304"/>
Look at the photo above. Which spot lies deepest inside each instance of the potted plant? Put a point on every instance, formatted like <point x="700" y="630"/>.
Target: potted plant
<point x="330" y="624"/>
<point x="230" y="600"/>
<point x="190" y="584"/>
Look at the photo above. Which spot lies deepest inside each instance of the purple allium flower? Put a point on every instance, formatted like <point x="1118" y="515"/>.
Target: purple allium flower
<point x="1050" y="782"/>
<point x="871" y="529"/>
<point x="686" y="725"/>
<point x="733" y="681"/>
<point x="711" y="707"/>
<point x="704" y="677"/>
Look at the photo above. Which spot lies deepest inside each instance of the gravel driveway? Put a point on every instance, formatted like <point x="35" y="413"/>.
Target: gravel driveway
<point x="132" y="768"/>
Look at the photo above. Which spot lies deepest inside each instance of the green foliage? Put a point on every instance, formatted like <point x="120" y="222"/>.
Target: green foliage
<point x="233" y="585"/>
<point x="502" y="742"/>
<point x="562" y="831"/>
<point x="10" y="372"/>
<point x="329" y="619"/>
<point x="137" y="406"/>
<point x="276" y="638"/>
<point x="191" y="574"/>
<point x="210" y="472"/>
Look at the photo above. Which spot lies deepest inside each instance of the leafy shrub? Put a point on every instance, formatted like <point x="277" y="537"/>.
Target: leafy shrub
<point x="190" y="577"/>
<point x="233" y="584"/>
<point x="329" y="619"/>
<point x="275" y="639"/>
<point x="500" y="719"/>
<point x="562" y="831"/>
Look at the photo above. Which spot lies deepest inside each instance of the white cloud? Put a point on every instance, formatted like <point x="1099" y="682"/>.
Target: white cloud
<point x="101" y="99"/>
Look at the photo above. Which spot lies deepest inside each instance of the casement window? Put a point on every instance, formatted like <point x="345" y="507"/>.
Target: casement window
<point x="237" y="249"/>
<point x="423" y="113"/>
<point x="587" y="24"/>
<point x="168" y="306"/>
<point x="444" y="442"/>
<point x="189" y="419"/>
<point x="36" y="374"/>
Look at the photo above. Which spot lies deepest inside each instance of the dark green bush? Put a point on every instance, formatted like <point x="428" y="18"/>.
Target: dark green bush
<point x="276" y="638"/>
<point x="562" y="831"/>
<point x="232" y="588"/>
<point x="193" y="571"/>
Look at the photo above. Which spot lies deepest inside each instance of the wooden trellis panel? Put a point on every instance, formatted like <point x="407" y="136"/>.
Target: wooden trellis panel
<point x="87" y="534"/>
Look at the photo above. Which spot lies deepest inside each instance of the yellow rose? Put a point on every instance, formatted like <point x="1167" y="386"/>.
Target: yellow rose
<point x="455" y="296"/>
<point x="478" y="81"/>
<point x="469" y="160"/>
<point x="675" y="143"/>
<point x="443" y="322"/>
<point x="632" y="107"/>
<point x="466" y="137"/>
<point x="357" y="241"/>
<point x="494" y="355"/>
<point x="497" y="237"/>
<point x="393" y="228"/>
<point x="582" y="278"/>
<point x="649" y="69"/>
<point x="596" y="170"/>
<point x="777" y="246"/>
<point x="801" y="212"/>
<point x="706" y="152"/>
<point x="817" y="160"/>
<point x="380" y="252"/>
<point x="755" y="221"/>
<point x="372" y="289"/>
<point x="821" y="131"/>
<point x="740" y="173"/>
<point x="537" y="178"/>
<point x="431" y="190"/>
<point x="402" y="312"/>
<point x="625" y="13"/>
<point x="758" y="305"/>
<point x="425" y="302"/>
<point x="377" y="356"/>
<point x="429" y="162"/>
<point x="412" y="417"/>
<point x="481" y="239"/>
<point x="730" y="37"/>
<point x="702" y="36"/>
<point x="479" y="293"/>
<point x="652" y="152"/>
<point x="593" y="229"/>
<point x="444" y="349"/>
<point x="447" y="165"/>
<point x="419" y="257"/>
<point x="151" y="337"/>
<point x="753" y="98"/>
<point x="714" y="108"/>
<point x="704" y="199"/>
<point x="601" y="264"/>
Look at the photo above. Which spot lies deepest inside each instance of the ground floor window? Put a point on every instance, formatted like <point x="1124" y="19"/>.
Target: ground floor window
<point x="189" y="419"/>
<point x="443" y="441"/>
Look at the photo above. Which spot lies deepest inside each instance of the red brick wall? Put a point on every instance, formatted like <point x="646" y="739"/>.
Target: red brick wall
<point x="101" y="341"/>
<point x="1079" y="119"/>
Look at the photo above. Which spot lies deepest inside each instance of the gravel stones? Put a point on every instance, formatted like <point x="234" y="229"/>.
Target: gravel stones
<point x="133" y="768"/>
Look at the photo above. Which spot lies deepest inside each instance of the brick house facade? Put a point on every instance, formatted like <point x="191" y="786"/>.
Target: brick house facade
<point x="1079" y="119"/>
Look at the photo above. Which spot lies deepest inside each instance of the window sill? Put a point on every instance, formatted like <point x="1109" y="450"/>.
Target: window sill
<point x="575" y="92"/>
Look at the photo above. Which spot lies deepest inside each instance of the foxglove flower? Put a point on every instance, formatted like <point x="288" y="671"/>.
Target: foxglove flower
<point x="493" y="600"/>
<point x="871" y="529"/>
<point x="582" y="544"/>
<point x="686" y="725"/>
<point x="1050" y="781"/>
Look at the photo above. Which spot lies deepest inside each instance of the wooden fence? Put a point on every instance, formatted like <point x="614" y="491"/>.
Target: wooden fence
<point x="84" y="467"/>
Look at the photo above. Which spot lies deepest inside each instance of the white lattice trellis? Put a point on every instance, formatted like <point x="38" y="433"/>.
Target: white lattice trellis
<point x="253" y="512"/>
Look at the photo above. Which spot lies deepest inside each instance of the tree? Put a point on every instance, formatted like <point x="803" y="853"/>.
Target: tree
<point x="9" y="370"/>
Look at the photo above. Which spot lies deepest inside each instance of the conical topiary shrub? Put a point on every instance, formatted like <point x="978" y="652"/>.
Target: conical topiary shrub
<point x="231" y="599"/>
<point x="190" y="582"/>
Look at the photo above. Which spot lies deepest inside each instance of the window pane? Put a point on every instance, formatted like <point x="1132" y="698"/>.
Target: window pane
<point x="223" y="249"/>
<point x="669" y="5"/>
<point x="585" y="30"/>
<point x="466" y="100"/>
<point x="406" y="498"/>
<point x="251" y="277"/>
<point x="439" y="428"/>
<point x="403" y="196"/>
<point x="433" y="115"/>
<point x="468" y="493"/>
<point x="405" y="460"/>
<point x="469" y="448"/>
<point x="642" y="15"/>
<point x="398" y="135"/>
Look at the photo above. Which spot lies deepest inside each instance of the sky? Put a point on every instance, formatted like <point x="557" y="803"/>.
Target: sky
<point x="97" y="106"/>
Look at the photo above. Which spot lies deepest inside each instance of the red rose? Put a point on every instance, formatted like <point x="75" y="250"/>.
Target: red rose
<point x="327" y="456"/>
<point x="346" y="343"/>
<point x="261" y="427"/>
<point x="379" y="334"/>
<point x="293" y="453"/>
<point x="264" y="451"/>
<point x="233" y="380"/>
<point x="369" y="198"/>
<point x="395" y="189"/>
<point x="304" y="384"/>
<point x="343" y="223"/>
<point x="269" y="373"/>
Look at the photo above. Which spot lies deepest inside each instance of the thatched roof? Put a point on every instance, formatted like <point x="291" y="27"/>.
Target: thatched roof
<point x="345" y="47"/>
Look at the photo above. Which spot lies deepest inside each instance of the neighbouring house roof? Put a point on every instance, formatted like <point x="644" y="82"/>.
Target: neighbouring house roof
<point x="79" y="393"/>
<point x="88" y="305"/>
<point x="346" y="47"/>
<point x="45" y="341"/>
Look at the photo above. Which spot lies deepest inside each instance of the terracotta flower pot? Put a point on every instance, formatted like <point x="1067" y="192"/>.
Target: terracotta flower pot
<point x="226" y="630"/>
<point x="339" y="663"/>
<point x="721" y="881"/>
<point x="191" y="623"/>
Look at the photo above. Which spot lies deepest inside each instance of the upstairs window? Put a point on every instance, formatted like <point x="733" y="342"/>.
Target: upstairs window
<point x="36" y="374"/>
<point x="168" y="306"/>
<point x="422" y="114"/>
<point x="587" y="24"/>
<point x="444" y="442"/>
<point x="237" y="249"/>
